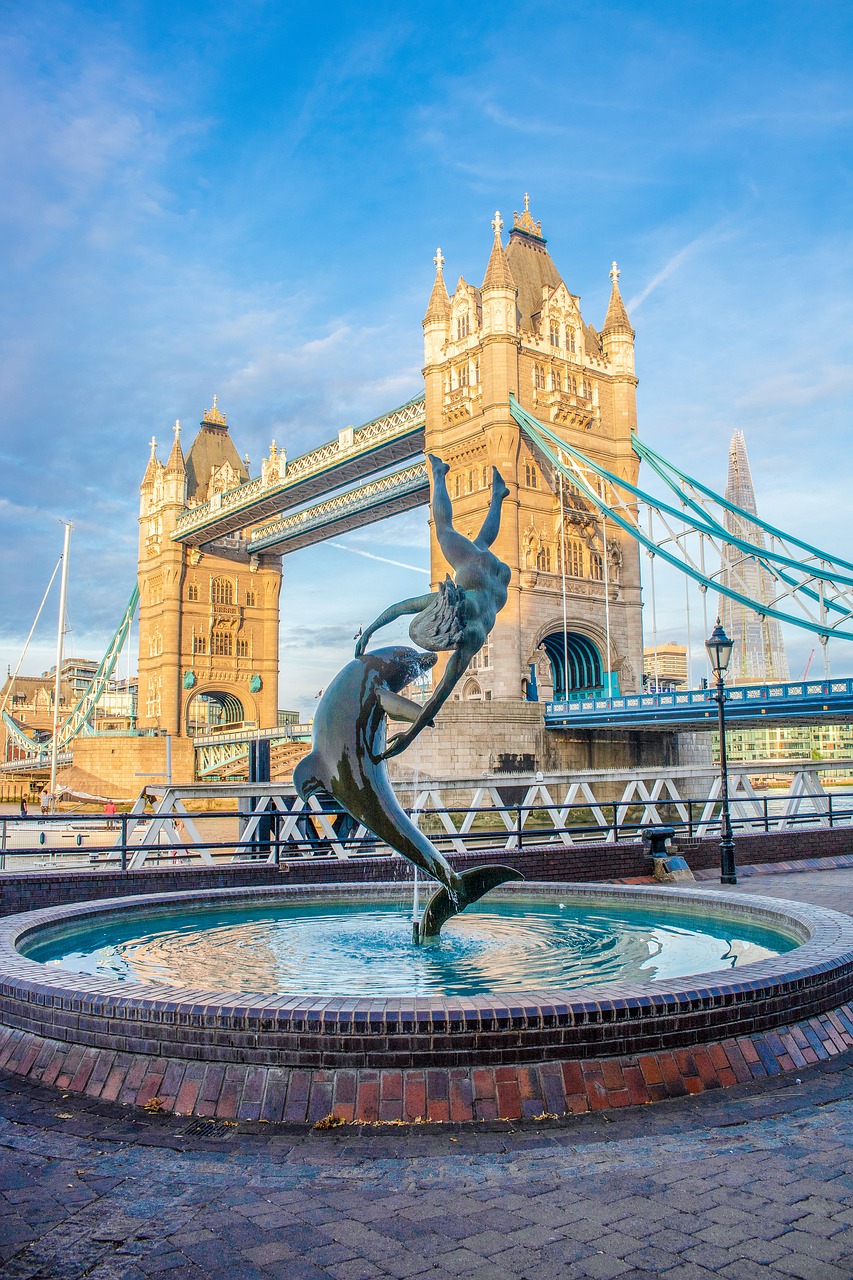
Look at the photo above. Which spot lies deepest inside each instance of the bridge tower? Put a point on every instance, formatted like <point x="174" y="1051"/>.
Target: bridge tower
<point x="521" y="334"/>
<point x="208" y="620"/>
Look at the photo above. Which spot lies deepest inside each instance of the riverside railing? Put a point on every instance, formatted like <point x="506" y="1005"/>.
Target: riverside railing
<point x="272" y="835"/>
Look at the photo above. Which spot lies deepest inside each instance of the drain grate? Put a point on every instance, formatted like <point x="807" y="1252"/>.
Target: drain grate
<point x="208" y="1128"/>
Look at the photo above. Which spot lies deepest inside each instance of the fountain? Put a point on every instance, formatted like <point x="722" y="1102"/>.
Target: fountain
<point x="148" y="1000"/>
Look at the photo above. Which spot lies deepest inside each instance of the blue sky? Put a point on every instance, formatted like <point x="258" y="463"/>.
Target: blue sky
<point x="246" y="199"/>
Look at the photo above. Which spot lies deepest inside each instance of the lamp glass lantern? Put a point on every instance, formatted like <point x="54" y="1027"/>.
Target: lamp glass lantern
<point x="719" y="648"/>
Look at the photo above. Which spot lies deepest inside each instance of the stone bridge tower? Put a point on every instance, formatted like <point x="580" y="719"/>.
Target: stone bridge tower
<point x="521" y="334"/>
<point x="208" y="620"/>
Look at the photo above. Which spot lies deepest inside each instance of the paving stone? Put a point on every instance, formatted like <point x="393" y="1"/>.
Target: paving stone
<point x="808" y="1268"/>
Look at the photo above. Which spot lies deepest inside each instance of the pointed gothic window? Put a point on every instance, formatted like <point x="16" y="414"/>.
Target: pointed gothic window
<point x="223" y="643"/>
<point x="242" y="648"/>
<point x="555" y="334"/>
<point x="485" y="478"/>
<point x="570" y="340"/>
<point x="462" y="325"/>
<point x="557" y="379"/>
<point x="482" y="659"/>
<point x="463" y="375"/>
<point x="222" y="591"/>
<point x="199" y="644"/>
<point x="250" y="599"/>
<point x="543" y="559"/>
<point x="531" y="475"/>
<point x="596" y="566"/>
<point x="192" y="591"/>
<point x="539" y="377"/>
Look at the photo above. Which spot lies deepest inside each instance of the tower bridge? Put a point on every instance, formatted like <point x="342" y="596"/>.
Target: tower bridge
<point x="212" y="537"/>
<point x="514" y="378"/>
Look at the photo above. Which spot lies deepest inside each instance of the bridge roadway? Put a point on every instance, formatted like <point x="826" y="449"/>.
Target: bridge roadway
<point x="358" y="456"/>
<point x="802" y="701"/>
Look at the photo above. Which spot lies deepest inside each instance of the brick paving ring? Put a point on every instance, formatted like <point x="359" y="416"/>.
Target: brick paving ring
<point x="286" y="1058"/>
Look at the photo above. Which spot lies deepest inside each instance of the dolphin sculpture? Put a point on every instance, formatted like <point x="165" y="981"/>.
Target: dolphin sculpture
<point x="347" y="761"/>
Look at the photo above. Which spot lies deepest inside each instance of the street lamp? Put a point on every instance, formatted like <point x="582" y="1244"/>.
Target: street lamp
<point x="719" y="648"/>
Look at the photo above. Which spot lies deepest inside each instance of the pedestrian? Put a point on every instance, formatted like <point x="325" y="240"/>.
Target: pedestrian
<point x="23" y="807"/>
<point x="45" y="803"/>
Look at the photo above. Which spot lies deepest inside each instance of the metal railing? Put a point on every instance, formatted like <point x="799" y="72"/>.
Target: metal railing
<point x="272" y="836"/>
<point x="793" y="698"/>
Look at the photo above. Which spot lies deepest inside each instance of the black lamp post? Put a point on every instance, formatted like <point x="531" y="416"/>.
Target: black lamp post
<point x="719" y="648"/>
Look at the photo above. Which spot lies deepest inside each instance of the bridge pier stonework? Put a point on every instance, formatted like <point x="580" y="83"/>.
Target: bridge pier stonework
<point x="208" y="617"/>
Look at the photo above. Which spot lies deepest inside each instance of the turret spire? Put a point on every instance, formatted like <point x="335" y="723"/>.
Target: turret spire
<point x="498" y="274"/>
<point x="438" y="307"/>
<point x="176" y="457"/>
<point x="617" y="317"/>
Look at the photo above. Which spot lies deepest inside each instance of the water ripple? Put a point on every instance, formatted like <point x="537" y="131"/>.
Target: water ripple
<point x="366" y="950"/>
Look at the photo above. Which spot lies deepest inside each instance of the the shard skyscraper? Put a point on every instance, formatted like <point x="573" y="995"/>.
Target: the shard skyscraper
<point x="759" y="653"/>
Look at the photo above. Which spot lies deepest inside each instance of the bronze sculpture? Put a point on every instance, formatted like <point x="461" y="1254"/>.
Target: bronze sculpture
<point x="350" y="747"/>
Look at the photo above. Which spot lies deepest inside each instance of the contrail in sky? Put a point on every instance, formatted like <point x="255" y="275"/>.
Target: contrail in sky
<point x="676" y="261"/>
<point x="368" y="555"/>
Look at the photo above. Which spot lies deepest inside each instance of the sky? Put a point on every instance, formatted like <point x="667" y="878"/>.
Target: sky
<point x="246" y="200"/>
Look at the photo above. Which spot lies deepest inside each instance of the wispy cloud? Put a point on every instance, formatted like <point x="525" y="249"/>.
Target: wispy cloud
<point x="714" y="235"/>
<point x="369" y="555"/>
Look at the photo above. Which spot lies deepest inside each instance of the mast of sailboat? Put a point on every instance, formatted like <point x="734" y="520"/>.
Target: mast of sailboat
<point x="60" y="639"/>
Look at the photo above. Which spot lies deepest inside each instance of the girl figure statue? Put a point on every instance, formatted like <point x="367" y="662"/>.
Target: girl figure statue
<point x="460" y="615"/>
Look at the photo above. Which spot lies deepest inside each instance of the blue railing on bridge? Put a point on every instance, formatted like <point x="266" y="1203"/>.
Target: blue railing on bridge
<point x="796" y="699"/>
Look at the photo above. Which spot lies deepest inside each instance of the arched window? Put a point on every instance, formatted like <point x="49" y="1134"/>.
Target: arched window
<point x="463" y="324"/>
<point x="223" y="643"/>
<point x="482" y="659"/>
<point x="572" y="384"/>
<point x="556" y="380"/>
<point x="251" y="599"/>
<point x="555" y="334"/>
<point x="457" y="485"/>
<point x="531" y="475"/>
<point x="199" y="644"/>
<point x="242" y="648"/>
<point x="463" y="375"/>
<point x="222" y="591"/>
<point x="472" y="692"/>
<point x="574" y="557"/>
<point x="543" y="559"/>
<point x="192" y="591"/>
<point x="586" y="388"/>
<point x="596" y="566"/>
<point x="485" y="478"/>
<point x="539" y="377"/>
<point x="570" y="340"/>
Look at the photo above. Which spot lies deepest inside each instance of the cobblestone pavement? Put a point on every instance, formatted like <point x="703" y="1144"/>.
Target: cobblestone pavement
<point x="748" y="1182"/>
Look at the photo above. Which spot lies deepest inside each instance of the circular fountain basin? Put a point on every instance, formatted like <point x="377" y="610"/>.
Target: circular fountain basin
<point x="337" y="1029"/>
<point x="513" y="942"/>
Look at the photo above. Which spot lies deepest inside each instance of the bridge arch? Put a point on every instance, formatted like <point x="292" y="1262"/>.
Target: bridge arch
<point x="576" y="666"/>
<point x="210" y="709"/>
